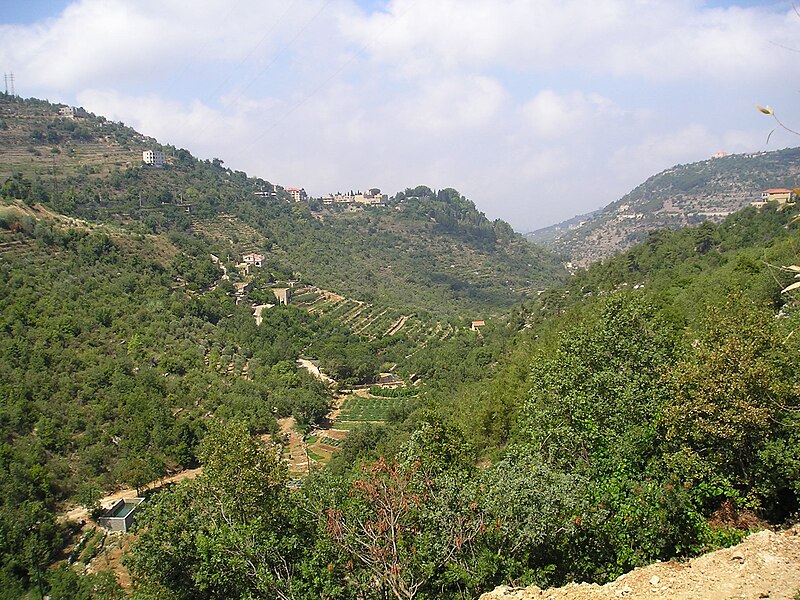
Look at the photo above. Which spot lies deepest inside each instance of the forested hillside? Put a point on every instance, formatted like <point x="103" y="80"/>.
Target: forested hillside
<point x="427" y="250"/>
<point x="646" y="408"/>
<point x="684" y="195"/>
<point x="609" y="425"/>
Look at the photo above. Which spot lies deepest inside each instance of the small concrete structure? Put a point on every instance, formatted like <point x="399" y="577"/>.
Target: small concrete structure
<point x="121" y="515"/>
<point x="476" y="325"/>
<point x="283" y="295"/>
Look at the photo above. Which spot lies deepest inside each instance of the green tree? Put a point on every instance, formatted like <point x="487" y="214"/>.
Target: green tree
<point x="595" y="398"/>
<point x="733" y="396"/>
<point x="233" y="532"/>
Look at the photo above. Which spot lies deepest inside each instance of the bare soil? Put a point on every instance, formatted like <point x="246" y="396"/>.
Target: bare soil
<point x="765" y="565"/>
<point x="79" y="513"/>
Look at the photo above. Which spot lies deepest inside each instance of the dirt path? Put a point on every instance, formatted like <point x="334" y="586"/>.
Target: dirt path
<point x="314" y="370"/>
<point x="257" y="312"/>
<point x="81" y="514"/>
<point x="295" y="451"/>
<point x="397" y="326"/>
<point x="764" y="565"/>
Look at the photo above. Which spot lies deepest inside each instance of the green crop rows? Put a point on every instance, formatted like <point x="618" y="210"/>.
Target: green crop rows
<point x="357" y="408"/>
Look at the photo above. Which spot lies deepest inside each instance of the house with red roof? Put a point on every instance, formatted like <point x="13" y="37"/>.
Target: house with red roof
<point x="253" y="259"/>
<point x="779" y="195"/>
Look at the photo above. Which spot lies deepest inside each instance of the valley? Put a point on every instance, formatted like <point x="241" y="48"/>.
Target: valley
<point x="405" y="401"/>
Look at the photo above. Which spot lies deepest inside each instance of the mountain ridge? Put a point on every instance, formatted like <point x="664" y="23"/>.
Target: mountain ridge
<point x="425" y="248"/>
<point x="683" y="195"/>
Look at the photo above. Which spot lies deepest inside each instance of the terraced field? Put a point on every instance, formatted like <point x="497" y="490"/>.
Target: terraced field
<point x="359" y="409"/>
<point x="225" y="228"/>
<point x="367" y="319"/>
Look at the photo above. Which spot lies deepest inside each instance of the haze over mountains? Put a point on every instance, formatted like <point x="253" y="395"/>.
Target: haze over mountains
<point x="93" y="169"/>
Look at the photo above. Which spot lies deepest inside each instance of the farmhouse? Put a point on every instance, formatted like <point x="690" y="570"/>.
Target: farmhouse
<point x="253" y="259"/>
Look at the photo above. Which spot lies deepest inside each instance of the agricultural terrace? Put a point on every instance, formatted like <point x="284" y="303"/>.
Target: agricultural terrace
<point x="364" y="407"/>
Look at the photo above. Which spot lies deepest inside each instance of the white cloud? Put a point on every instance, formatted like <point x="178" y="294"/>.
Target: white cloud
<point x="535" y="110"/>
<point x="449" y="105"/>
<point x="551" y="115"/>
<point x="126" y="42"/>
<point x="654" y="40"/>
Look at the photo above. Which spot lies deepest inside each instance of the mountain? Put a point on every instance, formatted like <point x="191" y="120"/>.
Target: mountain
<point x="683" y="195"/>
<point x="643" y="409"/>
<point x="426" y="250"/>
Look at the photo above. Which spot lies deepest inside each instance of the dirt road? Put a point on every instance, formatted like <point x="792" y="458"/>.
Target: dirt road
<point x="81" y="514"/>
<point x="314" y="370"/>
<point x="257" y="312"/>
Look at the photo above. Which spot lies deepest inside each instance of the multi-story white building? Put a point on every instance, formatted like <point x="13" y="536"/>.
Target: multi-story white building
<point x="154" y="158"/>
<point x="297" y="194"/>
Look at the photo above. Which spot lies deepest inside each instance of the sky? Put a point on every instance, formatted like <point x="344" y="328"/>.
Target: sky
<point x="536" y="110"/>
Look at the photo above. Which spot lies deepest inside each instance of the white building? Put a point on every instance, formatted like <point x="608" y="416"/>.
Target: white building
<point x="371" y="198"/>
<point x="297" y="194"/>
<point x="71" y="112"/>
<point x="253" y="259"/>
<point x="154" y="158"/>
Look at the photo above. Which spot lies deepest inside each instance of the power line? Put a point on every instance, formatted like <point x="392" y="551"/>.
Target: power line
<point x="253" y="49"/>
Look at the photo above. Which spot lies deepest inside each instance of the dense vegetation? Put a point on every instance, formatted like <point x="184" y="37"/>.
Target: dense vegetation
<point x="625" y="426"/>
<point x="646" y="409"/>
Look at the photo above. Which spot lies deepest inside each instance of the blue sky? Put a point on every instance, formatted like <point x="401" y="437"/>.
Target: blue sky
<point x="535" y="110"/>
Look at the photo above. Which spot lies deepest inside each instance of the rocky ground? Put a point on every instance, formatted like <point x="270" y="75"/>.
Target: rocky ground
<point x="765" y="565"/>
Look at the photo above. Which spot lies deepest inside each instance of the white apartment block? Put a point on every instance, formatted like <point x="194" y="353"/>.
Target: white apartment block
<point x="154" y="158"/>
<point x="372" y="197"/>
<point x="297" y="194"/>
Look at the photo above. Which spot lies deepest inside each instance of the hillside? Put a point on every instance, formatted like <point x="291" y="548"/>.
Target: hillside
<point x="764" y="565"/>
<point x="364" y="441"/>
<point x="429" y="251"/>
<point x="683" y="195"/>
